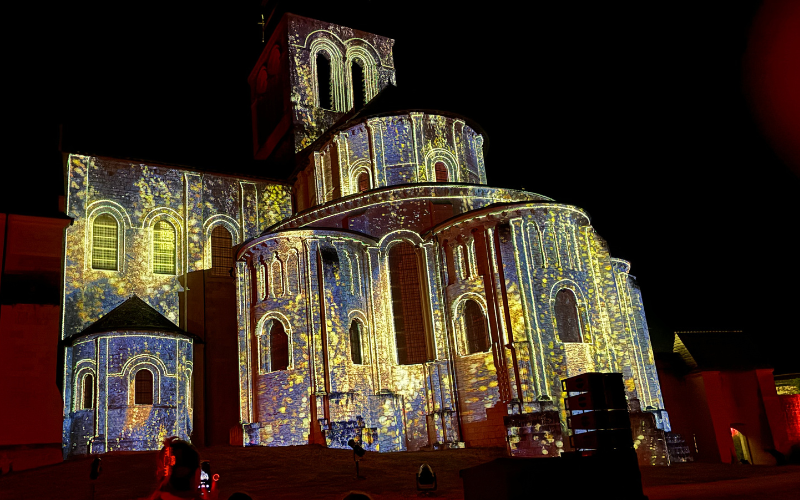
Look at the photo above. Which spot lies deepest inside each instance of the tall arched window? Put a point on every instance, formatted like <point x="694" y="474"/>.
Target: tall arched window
<point x="363" y="182"/>
<point x="567" y="319"/>
<point x="88" y="392"/>
<point x="105" y="234"/>
<point x="441" y="171"/>
<point x="409" y="328"/>
<point x="163" y="248"/>
<point x="221" y="254"/>
<point x="356" y="331"/>
<point x="359" y="85"/>
<point x="143" y="394"/>
<point x="278" y="347"/>
<point x="475" y="328"/>
<point x="324" y="80"/>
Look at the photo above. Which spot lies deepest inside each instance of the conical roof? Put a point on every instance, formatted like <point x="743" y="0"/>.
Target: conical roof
<point x="135" y="315"/>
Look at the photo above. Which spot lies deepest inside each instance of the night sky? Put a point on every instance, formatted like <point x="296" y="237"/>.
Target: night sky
<point x="639" y="112"/>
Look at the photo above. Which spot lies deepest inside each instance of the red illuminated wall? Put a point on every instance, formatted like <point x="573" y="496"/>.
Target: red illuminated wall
<point x="791" y="411"/>
<point x="705" y="405"/>
<point x="30" y="423"/>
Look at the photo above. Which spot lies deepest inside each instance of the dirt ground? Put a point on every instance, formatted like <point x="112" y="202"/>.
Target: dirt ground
<point x="310" y="472"/>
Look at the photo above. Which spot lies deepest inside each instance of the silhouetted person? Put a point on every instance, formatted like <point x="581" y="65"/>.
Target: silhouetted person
<point x="179" y="464"/>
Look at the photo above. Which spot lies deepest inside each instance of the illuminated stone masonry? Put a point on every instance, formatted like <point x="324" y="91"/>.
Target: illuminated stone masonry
<point x="384" y="293"/>
<point x="139" y="230"/>
<point x="514" y="292"/>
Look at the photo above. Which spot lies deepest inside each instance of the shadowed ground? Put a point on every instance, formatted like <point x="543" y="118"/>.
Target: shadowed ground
<point x="315" y="472"/>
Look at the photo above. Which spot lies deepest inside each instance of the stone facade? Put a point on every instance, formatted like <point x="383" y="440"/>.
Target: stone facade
<point x="385" y="293"/>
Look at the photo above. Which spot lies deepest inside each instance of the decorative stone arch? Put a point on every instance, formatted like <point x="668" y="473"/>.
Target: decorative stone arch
<point x="174" y="218"/>
<point x="148" y="362"/>
<point x="457" y="326"/>
<point x="450" y="161"/>
<point x="356" y="170"/>
<point x="358" y="49"/>
<point x="326" y="42"/>
<point x="276" y="276"/>
<point x="582" y="305"/>
<point x="263" y="329"/>
<point x="293" y="275"/>
<point x="228" y="223"/>
<point x="123" y="220"/>
<point x="83" y="369"/>
<point x="358" y="315"/>
<point x="390" y="239"/>
<point x="534" y="236"/>
<point x="411" y="337"/>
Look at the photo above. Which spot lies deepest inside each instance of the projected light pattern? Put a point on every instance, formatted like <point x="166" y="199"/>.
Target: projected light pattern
<point x="508" y="252"/>
<point x="143" y="200"/>
<point x="478" y="363"/>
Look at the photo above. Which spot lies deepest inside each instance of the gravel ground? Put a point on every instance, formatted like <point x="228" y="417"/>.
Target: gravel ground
<point x="311" y="472"/>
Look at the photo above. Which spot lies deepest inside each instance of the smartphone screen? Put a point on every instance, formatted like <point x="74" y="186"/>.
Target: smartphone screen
<point x="205" y="475"/>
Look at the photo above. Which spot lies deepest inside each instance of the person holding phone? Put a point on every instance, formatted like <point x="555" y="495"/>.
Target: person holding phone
<point x="181" y="475"/>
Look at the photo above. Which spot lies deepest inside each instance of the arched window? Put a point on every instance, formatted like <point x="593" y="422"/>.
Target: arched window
<point x="143" y="394"/>
<point x="163" y="248"/>
<point x="441" y="171"/>
<point x="475" y="328"/>
<point x="88" y="392"/>
<point x="409" y="328"/>
<point x="567" y="319"/>
<point x="105" y="234"/>
<point x="221" y="254"/>
<point x="355" y="342"/>
<point x="278" y="347"/>
<point x="359" y="85"/>
<point x="324" y="80"/>
<point x="363" y="182"/>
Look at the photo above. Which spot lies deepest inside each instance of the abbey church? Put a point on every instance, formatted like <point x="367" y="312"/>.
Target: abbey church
<point x="380" y="291"/>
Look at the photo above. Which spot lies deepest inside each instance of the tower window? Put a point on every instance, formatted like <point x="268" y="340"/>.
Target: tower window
<point x="355" y="342"/>
<point x="407" y="305"/>
<point x="163" y="248"/>
<point x="475" y="328"/>
<point x="567" y="319"/>
<point x="359" y="87"/>
<point x="104" y="242"/>
<point x="143" y="387"/>
<point x="88" y="392"/>
<point x="324" y="80"/>
<point x="278" y="347"/>
<point x="363" y="182"/>
<point x="221" y="253"/>
<point x="441" y="171"/>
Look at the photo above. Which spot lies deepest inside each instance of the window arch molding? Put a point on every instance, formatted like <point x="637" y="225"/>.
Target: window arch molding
<point x="144" y="362"/>
<point x="581" y="305"/>
<point x="263" y="330"/>
<point x="358" y="315"/>
<point x="78" y="384"/>
<point x="358" y="49"/>
<point x="118" y="213"/>
<point x="276" y="276"/>
<point x="226" y="221"/>
<point x="386" y="245"/>
<point x="177" y="228"/>
<point x="361" y="167"/>
<point x="436" y="155"/>
<point x="323" y="44"/>
<point x="458" y="327"/>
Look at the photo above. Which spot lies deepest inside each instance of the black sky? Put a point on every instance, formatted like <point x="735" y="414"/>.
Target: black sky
<point x="635" y="111"/>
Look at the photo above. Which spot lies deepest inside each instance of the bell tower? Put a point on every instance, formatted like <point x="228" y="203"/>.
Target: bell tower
<point x="310" y="75"/>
